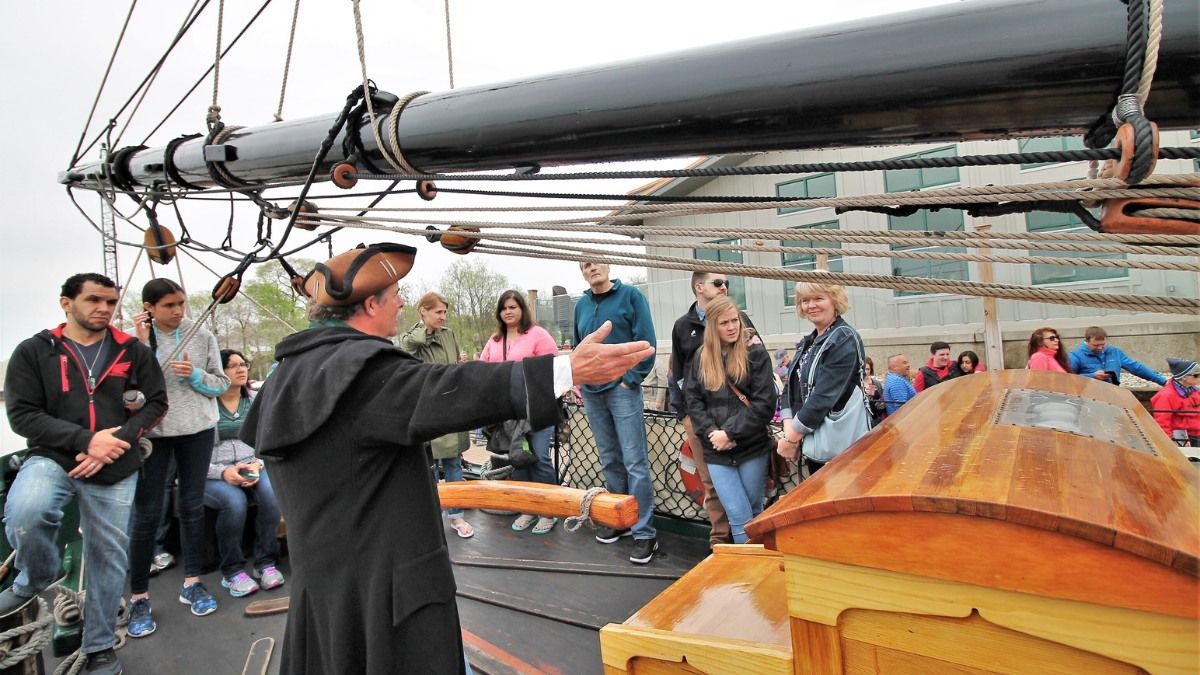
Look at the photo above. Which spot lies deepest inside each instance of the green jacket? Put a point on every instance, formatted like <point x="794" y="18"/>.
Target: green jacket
<point x="439" y="347"/>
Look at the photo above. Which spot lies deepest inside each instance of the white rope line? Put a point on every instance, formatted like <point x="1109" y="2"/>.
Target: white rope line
<point x="1160" y="304"/>
<point x="1046" y="241"/>
<point x="287" y="62"/>
<point x="214" y="110"/>
<point x="249" y="297"/>
<point x="924" y="198"/>
<point x="1150" y="63"/>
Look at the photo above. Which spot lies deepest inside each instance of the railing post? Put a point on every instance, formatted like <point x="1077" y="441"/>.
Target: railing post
<point x="993" y="344"/>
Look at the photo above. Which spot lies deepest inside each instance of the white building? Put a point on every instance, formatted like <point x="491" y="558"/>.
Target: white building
<point x="899" y="321"/>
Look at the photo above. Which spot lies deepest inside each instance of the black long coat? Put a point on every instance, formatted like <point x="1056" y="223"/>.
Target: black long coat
<point x="341" y="423"/>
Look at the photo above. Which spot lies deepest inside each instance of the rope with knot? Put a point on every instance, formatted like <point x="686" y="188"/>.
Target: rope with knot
<point x="38" y="631"/>
<point x="573" y="523"/>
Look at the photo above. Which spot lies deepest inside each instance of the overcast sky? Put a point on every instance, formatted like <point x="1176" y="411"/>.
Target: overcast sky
<point x="55" y="51"/>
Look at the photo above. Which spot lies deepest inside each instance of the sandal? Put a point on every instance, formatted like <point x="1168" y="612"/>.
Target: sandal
<point x="521" y="524"/>
<point x="463" y="528"/>
<point x="544" y="525"/>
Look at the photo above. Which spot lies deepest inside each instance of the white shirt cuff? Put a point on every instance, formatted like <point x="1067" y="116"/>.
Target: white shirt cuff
<point x="563" y="380"/>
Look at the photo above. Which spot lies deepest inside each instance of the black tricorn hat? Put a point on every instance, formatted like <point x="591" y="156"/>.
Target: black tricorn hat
<point x="349" y="278"/>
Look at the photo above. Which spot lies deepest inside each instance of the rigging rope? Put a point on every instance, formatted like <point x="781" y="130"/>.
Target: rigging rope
<point x="287" y="62"/>
<point x="214" y="111"/>
<point x="449" y="46"/>
<point x="1145" y="303"/>
<point x="103" y="81"/>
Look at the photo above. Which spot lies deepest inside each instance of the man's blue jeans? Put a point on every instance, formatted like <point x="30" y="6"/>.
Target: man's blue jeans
<point x="616" y="418"/>
<point x="452" y="469"/>
<point x="543" y="470"/>
<point x="230" y="503"/>
<point x="32" y="516"/>
<point x="740" y="489"/>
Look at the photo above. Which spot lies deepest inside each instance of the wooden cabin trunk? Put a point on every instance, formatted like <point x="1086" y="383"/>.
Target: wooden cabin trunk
<point x="1007" y="522"/>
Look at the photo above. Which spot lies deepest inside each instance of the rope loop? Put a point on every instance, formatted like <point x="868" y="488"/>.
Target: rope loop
<point x="38" y="631"/>
<point x="573" y="523"/>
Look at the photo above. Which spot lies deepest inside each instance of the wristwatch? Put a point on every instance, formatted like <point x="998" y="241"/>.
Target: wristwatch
<point x="782" y="435"/>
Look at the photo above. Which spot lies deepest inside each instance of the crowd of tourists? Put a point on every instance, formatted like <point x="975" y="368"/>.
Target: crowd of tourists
<point x="121" y="421"/>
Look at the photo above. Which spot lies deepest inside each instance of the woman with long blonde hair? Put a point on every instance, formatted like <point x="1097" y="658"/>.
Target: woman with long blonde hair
<point x="730" y="397"/>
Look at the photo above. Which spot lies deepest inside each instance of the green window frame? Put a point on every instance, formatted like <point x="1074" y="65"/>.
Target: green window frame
<point x="803" y="261"/>
<point x="818" y="186"/>
<point x="907" y="180"/>
<point x="737" y="285"/>
<point x="1040" y="275"/>
<point x="1048" y="144"/>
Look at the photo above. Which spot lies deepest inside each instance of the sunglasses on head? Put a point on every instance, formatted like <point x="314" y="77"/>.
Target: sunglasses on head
<point x="719" y="283"/>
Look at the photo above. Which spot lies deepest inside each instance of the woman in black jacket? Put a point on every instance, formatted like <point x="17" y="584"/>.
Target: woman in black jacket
<point x="826" y="373"/>
<point x="730" y="397"/>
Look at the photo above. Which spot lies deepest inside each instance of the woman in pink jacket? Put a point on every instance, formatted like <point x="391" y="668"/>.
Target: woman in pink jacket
<point x="516" y="338"/>
<point x="1046" y="351"/>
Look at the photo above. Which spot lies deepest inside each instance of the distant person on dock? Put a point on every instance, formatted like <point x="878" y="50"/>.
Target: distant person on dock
<point x="897" y="390"/>
<point x="615" y="409"/>
<point x="1095" y="358"/>
<point x="1177" y="405"/>
<point x="1046" y="351"/>
<point x="730" y="398"/>
<point x="967" y="363"/>
<point x="687" y="336"/>
<point x="939" y="368"/>
<point x="432" y="342"/>
<point x="342" y="426"/>
<point x="873" y="387"/>
<point x="517" y="338"/>
<point x="82" y="394"/>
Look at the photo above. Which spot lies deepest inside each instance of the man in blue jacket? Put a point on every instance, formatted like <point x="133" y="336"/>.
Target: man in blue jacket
<point x="1094" y="357"/>
<point x="615" y="410"/>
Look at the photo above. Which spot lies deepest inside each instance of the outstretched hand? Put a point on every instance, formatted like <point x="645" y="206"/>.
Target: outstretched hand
<point x="593" y="362"/>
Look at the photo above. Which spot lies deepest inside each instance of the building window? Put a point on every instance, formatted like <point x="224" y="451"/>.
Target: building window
<point x="811" y="187"/>
<point x="802" y="261"/>
<point x="1048" y="144"/>
<point x="1040" y="221"/>
<point x="925" y="220"/>
<point x="737" y="285"/>
<point x="904" y="180"/>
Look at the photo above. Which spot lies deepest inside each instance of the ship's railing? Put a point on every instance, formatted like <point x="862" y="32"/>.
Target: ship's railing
<point x="579" y="462"/>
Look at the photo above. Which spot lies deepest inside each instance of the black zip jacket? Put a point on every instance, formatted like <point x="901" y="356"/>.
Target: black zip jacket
<point x="49" y="403"/>
<point x="722" y="409"/>
<point x="835" y="379"/>
<point x="687" y="336"/>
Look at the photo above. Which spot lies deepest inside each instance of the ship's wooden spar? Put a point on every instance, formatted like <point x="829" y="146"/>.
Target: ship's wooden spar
<point x="609" y="510"/>
<point x="961" y="71"/>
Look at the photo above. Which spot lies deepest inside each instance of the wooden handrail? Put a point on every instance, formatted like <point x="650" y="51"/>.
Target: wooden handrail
<point x="607" y="509"/>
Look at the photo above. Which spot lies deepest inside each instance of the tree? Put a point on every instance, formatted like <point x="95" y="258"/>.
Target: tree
<point x="472" y="290"/>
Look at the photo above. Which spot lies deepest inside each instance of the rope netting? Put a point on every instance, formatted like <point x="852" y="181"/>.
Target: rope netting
<point x="579" y="462"/>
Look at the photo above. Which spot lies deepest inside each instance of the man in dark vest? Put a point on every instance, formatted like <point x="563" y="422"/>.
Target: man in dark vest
<point x="939" y="368"/>
<point x="342" y="424"/>
<point x="687" y="336"/>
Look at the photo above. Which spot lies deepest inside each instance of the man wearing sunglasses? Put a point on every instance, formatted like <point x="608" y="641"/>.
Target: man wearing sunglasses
<point x="686" y="338"/>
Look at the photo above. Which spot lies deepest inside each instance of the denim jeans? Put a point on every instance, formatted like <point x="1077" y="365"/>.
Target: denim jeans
<point x="616" y="418"/>
<point x="452" y="470"/>
<point x="192" y="455"/>
<point x="741" y="490"/>
<point x="32" y="516"/>
<point x="230" y="503"/>
<point x="543" y="470"/>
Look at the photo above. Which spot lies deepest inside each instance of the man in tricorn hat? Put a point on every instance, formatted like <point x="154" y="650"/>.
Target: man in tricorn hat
<point x="341" y="424"/>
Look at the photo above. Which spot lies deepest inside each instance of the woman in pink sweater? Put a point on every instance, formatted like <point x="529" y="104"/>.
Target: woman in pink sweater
<point x="517" y="338"/>
<point x="1046" y="351"/>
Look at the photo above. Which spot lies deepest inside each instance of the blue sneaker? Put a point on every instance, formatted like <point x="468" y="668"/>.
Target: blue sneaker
<point x="141" y="621"/>
<point x="196" y="595"/>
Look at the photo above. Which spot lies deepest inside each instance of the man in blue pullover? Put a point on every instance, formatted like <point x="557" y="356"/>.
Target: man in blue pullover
<point x="615" y="410"/>
<point x="1095" y="358"/>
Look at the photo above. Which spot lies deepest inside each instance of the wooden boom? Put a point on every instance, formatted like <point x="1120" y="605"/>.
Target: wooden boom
<point x="607" y="509"/>
<point x="966" y="70"/>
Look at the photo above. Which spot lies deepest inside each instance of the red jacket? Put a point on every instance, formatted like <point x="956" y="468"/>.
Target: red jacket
<point x="927" y="375"/>
<point x="1181" y="412"/>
